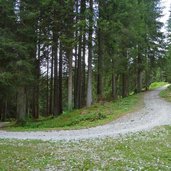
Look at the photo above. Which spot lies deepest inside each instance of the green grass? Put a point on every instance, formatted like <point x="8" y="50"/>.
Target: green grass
<point x="166" y="94"/>
<point x="141" y="151"/>
<point x="157" y="85"/>
<point x="98" y="114"/>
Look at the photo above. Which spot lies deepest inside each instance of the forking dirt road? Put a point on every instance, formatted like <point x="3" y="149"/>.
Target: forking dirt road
<point x="156" y="112"/>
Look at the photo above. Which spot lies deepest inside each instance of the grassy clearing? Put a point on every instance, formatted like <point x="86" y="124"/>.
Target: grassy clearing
<point x="166" y="94"/>
<point x="157" y="85"/>
<point x="98" y="114"/>
<point x="141" y="151"/>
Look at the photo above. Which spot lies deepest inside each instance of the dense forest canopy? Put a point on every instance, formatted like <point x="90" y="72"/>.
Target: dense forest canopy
<point x="58" y="55"/>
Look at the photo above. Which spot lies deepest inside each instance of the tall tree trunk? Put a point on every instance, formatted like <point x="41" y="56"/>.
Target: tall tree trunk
<point x="76" y="76"/>
<point x="60" y="77"/>
<point x="79" y="74"/>
<point x="124" y="85"/>
<point x="47" y="86"/>
<point x="81" y="64"/>
<point x="76" y="58"/>
<point x="114" y="80"/>
<point x="147" y="73"/>
<point x="28" y="102"/>
<point x="4" y="111"/>
<point x="51" y="86"/>
<point x="35" y="105"/>
<point x="114" y="86"/>
<point x="21" y="105"/>
<point x="56" y="81"/>
<point x="139" y="71"/>
<point x="139" y="81"/>
<point x="83" y="73"/>
<point x="69" y="54"/>
<point x="100" y="58"/>
<point x="1" y="111"/>
<point x="89" y="84"/>
<point x="83" y="95"/>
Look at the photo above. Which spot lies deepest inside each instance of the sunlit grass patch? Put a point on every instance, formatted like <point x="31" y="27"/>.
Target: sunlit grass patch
<point x="157" y="85"/>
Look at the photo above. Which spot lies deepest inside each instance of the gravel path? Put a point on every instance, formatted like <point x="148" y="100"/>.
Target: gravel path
<point x="156" y="112"/>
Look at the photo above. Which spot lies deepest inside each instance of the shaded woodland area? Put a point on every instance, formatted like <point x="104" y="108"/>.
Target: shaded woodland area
<point x="58" y="55"/>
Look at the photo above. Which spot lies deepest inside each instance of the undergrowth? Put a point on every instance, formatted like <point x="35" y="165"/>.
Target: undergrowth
<point x="97" y="114"/>
<point x="166" y="94"/>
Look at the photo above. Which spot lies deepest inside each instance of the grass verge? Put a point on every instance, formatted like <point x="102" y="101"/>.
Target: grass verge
<point x="157" y="85"/>
<point x="140" y="151"/>
<point x="166" y="94"/>
<point x="97" y="114"/>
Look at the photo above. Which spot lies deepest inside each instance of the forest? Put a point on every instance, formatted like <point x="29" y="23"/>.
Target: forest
<point x="62" y="55"/>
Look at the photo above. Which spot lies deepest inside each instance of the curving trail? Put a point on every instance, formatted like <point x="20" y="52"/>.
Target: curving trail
<point x="156" y="112"/>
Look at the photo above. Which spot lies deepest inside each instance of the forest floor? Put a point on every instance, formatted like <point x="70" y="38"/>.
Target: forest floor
<point x="156" y="112"/>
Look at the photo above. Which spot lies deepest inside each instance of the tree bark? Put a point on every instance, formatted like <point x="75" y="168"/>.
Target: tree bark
<point x="35" y="100"/>
<point x="79" y="74"/>
<point x="3" y="111"/>
<point x="51" y="86"/>
<point x="56" y="81"/>
<point x="83" y="100"/>
<point x="60" y="77"/>
<point x="21" y="105"/>
<point x="139" y="72"/>
<point x="47" y="85"/>
<point x="89" y="84"/>
<point x="100" y="59"/>
<point x="114" y="86"/>
<point x="124" y="85"/>
<point x="76" y="58"/>
<point x="70" y="81"/>
<point x="83" y="95"/>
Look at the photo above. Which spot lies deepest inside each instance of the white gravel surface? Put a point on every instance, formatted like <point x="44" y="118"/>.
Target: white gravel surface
<point x="156" y="112"/>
